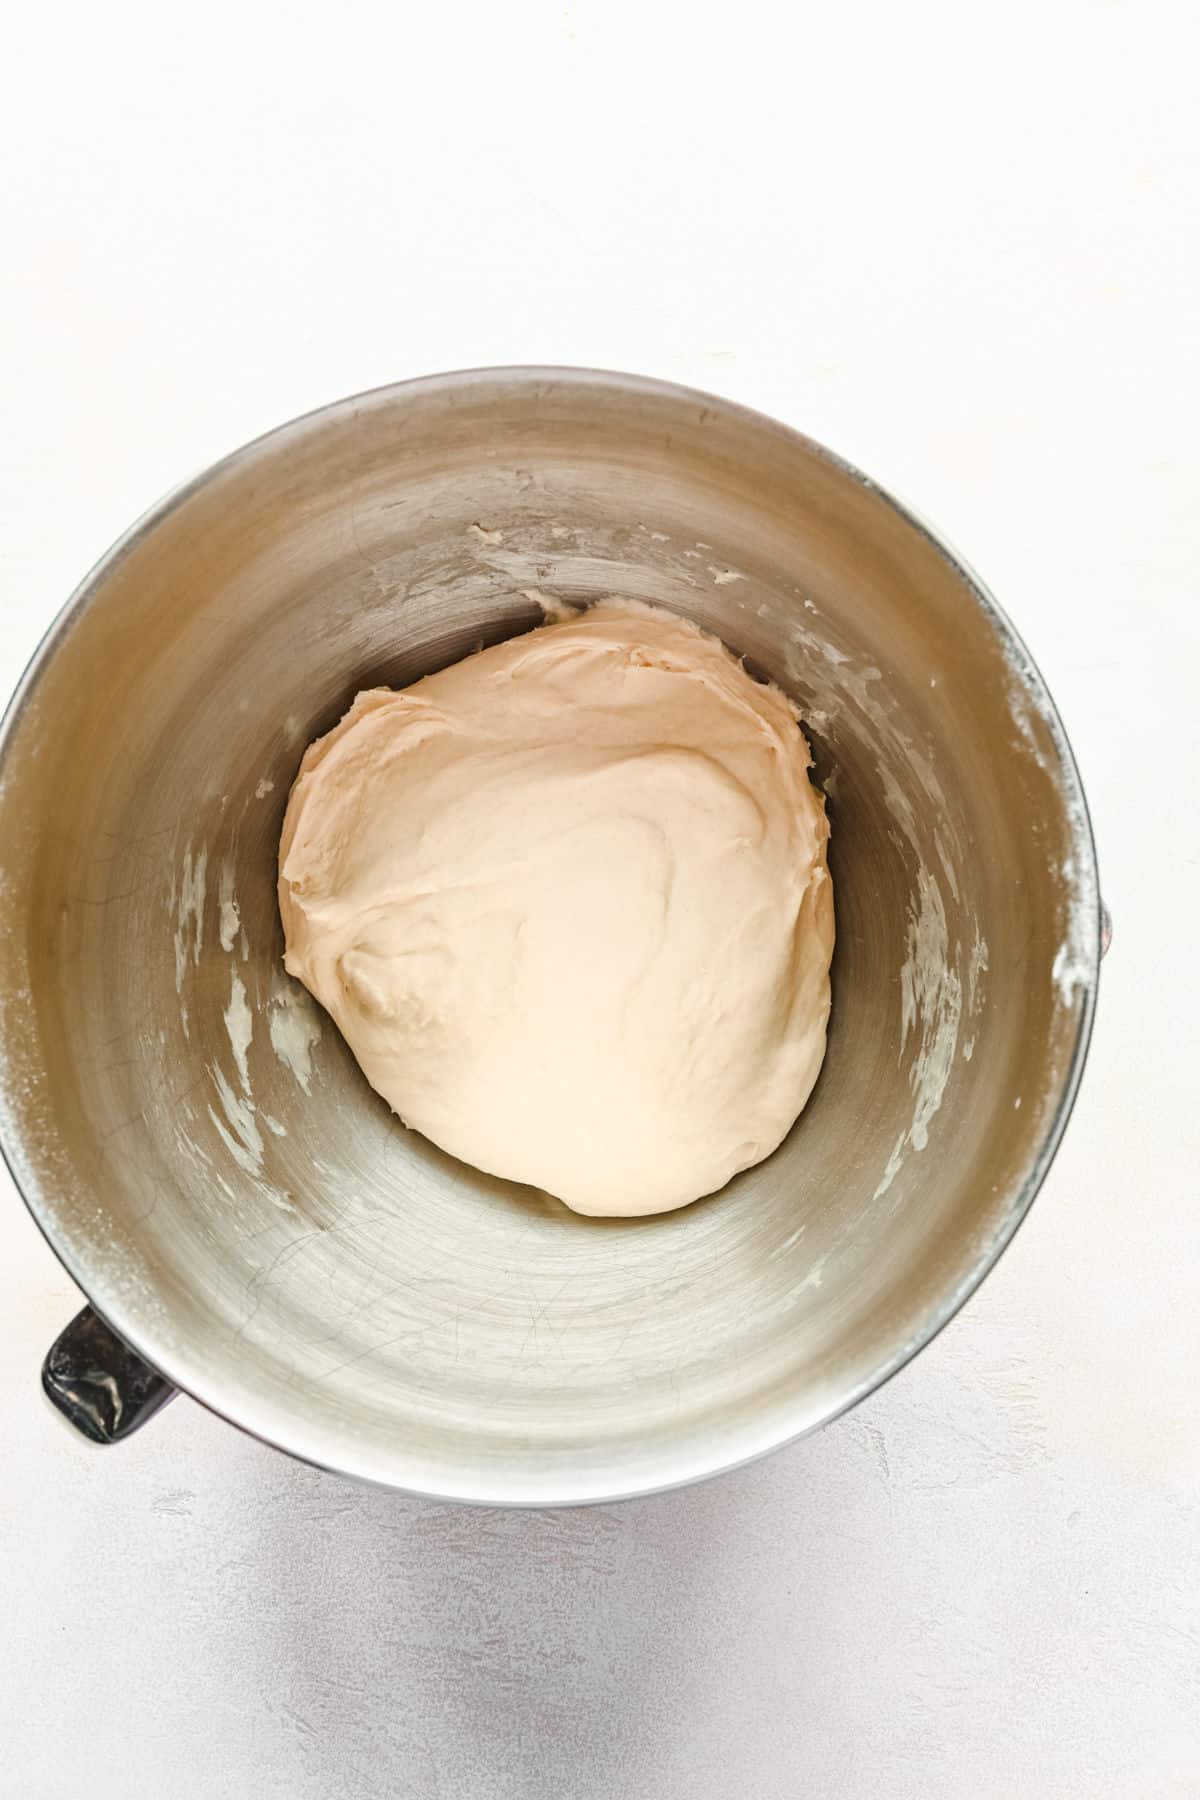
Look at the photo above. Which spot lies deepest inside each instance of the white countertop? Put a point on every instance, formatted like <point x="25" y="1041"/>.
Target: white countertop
<point x="963" y="251"/>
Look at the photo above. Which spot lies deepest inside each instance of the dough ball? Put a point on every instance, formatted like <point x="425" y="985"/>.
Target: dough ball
<point x="568" y="903"/>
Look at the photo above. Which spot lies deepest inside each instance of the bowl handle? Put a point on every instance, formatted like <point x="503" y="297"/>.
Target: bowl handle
<point x="99" y="1384"/>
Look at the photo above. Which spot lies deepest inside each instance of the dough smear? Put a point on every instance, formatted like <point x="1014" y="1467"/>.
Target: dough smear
<point x="568" y="903"/>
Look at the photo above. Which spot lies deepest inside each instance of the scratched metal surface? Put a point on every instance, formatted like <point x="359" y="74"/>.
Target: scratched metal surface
<point x="208" y="1157"/>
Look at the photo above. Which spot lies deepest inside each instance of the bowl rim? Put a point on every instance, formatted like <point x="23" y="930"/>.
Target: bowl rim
<point x="555" y="1491"/>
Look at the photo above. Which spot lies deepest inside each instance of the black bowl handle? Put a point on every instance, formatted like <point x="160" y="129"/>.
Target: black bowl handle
<point x="99" y="1384"/>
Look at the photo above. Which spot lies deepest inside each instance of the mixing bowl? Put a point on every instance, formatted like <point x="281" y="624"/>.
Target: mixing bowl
<point x="196" y="1142"/>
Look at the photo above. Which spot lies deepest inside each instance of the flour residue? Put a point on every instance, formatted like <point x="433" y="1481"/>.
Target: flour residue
<point x="930" y="1002"/>
<point x="930" y="1009"/>
<point x="295" y="1030"/>
<point x="816" y="1274"/>
<point x="853" y="695"/>
<point x="1074" y="967"/>
<point x="239" y="1023"/>
<point x="947" y="863"/>
<point x="977" y="963"/>
<point x="238" y="1130"/>
<point x="1026" y="716"/>
<point x="1038" y="728"/>
<point x="189" y="899"/>
<point x="230" y="916"/>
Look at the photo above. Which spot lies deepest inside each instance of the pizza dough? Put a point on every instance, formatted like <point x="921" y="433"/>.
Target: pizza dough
<point x="568" y="903"/>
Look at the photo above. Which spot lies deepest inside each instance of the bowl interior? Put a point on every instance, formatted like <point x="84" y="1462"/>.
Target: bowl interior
<point x="196" y="1139"/>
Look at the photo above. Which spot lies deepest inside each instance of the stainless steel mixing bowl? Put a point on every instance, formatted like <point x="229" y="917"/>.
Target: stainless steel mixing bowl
<point x="199" y="1147"/>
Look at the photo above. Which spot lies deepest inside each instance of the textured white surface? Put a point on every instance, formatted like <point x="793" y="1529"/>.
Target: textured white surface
<point x="965" y="255"/>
